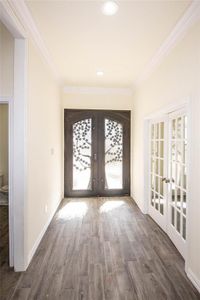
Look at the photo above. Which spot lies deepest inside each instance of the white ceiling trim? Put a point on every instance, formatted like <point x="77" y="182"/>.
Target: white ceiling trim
<point x="9" y="19"/>
<point x="97" y="91"/>
<point x="21" y="11"/>
<point x="191" y="15"/>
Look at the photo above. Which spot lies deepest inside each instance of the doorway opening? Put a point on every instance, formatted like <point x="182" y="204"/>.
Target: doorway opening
<point x="97" y="153"/>
<point x="4" y="182"/>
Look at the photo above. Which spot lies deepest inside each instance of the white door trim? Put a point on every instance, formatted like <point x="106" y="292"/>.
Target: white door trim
<point x="17" y="142"/>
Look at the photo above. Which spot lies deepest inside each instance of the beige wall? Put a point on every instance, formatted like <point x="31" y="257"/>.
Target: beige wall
<point x="6" y="62"/>
<point x="89" y="101"/>
<point x="4" y="143"/>
<point x="177" y="79"/>
<point x="44" y="146"/>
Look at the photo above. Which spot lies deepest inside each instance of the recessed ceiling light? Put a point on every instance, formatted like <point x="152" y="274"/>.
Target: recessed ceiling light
<point x="100" y="73"/>
<point x="109" y="8"/>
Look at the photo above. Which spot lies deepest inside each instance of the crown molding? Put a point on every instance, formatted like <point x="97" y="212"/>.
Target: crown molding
<point x="191" y="15"/>
<point x="97" y="91"/>
<point x="17" y="10"/>
<point x="10" y="20"/>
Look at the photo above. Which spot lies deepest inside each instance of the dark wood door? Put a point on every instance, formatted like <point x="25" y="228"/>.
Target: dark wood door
<point x="97" y="153"/>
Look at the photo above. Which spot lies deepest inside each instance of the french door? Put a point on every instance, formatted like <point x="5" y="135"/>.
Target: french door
<point x="168" y="173"/>
<point x="97" y="153"/>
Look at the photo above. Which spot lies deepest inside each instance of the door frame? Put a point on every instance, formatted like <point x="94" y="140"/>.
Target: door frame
<point x="17" y="141"/>
<point x="186" y="104"/>
<point x="115" y="115"/>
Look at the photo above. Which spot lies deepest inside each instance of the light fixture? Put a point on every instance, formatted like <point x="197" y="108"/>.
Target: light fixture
<point x="109" y="8"/>
<point x="100" y="73"/>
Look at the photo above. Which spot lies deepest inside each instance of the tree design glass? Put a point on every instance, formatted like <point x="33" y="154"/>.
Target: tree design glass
<point x="113" y="155"/>
<point x="82" y="149"/>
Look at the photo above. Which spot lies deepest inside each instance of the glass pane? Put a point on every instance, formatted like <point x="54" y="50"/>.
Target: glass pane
<point x="161" y="149"/>
<point x="113" y="154"/>
<point x="157" y="130"/>
<point x="152" y="182"/>
<point x="184" y="202"/>
<point x="82" y="150"/>
<point x="178" y="174"/>
<point x="185" y="127"/>
<point x="152" y="198"/>
<point x="157" y="183"/>
<point x="161" y="167"/>
<point x="173" y="171"/>
<point x="184" y="228"/>
<point x="178" y="198"/>
<point x="179" y="151"/>
<point x="161" y="187"/>
<point x="152" y="165"/>
<point x="184" y="152"/>
<point x="173" y="129"/>
<point x="162" y="206"/>
<point x="162" y="130"/>
<point x="173" y="195"/>
<point x="173" y="151"/>
<point x="179" y="129"/>
<point x="152" y="148"/>
<point x="157" y="149"/>
<point x="157" y="166"/>
<point x="156" y="201"/>
<point x="178" y="221"/>
<point x="172" y="215"/>
<point x="152" y="132"/>
<point x="184" y="178"/>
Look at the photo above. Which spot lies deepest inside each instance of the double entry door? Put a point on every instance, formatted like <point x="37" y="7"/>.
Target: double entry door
<point x="168" y="176"/>
<point x="97" y="153"/>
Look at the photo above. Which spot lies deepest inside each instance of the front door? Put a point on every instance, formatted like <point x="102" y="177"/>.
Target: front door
<point x="97" y="153"/>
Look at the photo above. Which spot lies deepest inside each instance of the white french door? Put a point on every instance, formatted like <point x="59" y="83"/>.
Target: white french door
<point x="168" y="176"/>
<point x="158" y="170"/>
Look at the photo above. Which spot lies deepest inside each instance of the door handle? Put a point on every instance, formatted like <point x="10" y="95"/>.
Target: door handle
<point x="166" y="180"/>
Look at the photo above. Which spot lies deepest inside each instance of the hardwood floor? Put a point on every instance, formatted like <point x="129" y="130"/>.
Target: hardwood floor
<point x="8" y="278"/>
<point x="103" y="249"/>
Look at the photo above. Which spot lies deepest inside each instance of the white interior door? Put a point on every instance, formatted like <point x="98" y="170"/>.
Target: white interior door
<point x="158" y="172"/>
<point x="168" y="176"/>
<point x="177" y="169"/>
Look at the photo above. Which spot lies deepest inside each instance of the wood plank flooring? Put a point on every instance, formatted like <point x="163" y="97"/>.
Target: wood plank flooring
<point x="104" y="249"/>
<point x="8" y="278"/>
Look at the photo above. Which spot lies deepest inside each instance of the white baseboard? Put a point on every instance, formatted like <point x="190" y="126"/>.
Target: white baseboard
<point x="138" y="204"/>
<point x="195" y="281"/>
<point x="37" y="242"/>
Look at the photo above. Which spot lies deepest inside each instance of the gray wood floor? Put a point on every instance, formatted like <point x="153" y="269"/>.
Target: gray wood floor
<point x="103" y="248"/>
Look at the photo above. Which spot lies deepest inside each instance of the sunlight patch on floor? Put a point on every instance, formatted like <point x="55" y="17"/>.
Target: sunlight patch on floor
<point x="73" y="210"/>
<point x="110" y="205"/>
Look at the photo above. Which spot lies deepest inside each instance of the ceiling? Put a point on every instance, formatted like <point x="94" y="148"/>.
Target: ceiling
<point x="81" y="40"/>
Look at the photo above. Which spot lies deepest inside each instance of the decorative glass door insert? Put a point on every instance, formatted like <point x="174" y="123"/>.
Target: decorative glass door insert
<point x="82" y="154"/>
<point x="113" y="155"/>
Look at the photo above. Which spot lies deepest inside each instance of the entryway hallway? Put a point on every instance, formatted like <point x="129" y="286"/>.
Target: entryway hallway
<point x="104" y="248"/>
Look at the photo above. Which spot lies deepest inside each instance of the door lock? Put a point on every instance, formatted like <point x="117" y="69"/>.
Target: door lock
<point x="95" y="156"/>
